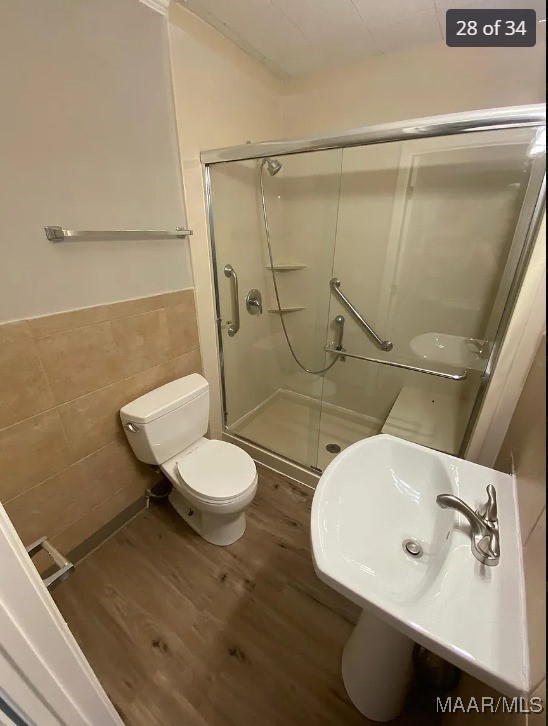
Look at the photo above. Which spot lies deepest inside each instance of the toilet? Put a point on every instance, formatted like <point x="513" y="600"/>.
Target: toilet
<point x="213" y="481"/>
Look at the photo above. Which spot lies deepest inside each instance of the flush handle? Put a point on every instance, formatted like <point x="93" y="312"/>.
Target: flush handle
<point x="132" y="427"/>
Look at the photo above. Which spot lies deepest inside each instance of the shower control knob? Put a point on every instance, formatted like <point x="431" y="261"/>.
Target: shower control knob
<point x="254" y="302"/>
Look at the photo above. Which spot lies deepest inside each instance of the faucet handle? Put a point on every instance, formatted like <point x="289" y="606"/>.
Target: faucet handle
<point x="489" y="546"/>
<point x="488" y="511"/>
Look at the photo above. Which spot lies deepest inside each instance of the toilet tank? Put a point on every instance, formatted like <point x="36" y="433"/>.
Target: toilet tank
<point x="167" y="420"/>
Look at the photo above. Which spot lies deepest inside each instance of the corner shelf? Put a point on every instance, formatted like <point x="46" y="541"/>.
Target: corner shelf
<point x="292" y="309"/>
<point x="286" y="267"/>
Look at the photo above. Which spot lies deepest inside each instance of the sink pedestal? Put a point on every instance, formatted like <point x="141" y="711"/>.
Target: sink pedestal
<point x="376" y="668"/>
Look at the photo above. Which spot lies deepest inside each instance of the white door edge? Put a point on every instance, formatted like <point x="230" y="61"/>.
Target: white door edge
<point x="38" y="653"/>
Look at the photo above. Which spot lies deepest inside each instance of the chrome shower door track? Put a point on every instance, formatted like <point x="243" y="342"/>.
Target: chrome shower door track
<point x="421" y="128"/>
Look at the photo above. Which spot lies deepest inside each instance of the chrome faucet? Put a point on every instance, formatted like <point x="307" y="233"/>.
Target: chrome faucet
<point x="484" y="524"/>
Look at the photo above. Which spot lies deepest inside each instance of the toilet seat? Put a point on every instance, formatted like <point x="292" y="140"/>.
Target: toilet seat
<point x="216" y="471"/>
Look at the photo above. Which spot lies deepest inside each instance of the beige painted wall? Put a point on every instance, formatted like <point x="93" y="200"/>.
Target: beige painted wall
<point x="524" y="454"/>
<point x="424" y="81"/>
<point x="222" y="97"/>
<point x="88" y="142"/>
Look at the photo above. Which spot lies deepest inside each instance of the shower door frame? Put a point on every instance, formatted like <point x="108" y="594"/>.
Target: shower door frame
<point x="531" y="116"/>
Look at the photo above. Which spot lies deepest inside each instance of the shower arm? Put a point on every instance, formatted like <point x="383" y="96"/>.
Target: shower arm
<point x="383" y="344"/>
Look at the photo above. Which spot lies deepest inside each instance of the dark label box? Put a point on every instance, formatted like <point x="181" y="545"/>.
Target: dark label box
<point x="491" y="28"/>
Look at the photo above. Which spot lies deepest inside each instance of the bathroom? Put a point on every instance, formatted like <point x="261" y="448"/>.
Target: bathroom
<point x="327" y="246"/>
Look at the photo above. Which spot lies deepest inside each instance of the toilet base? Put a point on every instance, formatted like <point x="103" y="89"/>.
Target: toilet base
<point x="218" y="529"/>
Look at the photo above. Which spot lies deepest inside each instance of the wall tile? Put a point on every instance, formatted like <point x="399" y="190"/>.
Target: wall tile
<point x="187" y="364"/>
<point x="97" y="517"/>
<point x="30" y="452"/>
<point x="67" y="471"/>
<point x="142" y="340"/>
<point x="112" y="467"/>
<point x="93" y="420"/>
<point x="49" y="507"/>
<point x="24" y="390"/>
<point x="14" y="332"/>
<point x="58" y="502"/>
<point x="183" y="327"/>
<point x="79" y="361"/>
<point x="128" y="308"/>
<point x="183" y="297"/>
<point x="534" y="556"/>
<point x="61" y="322"/>
<point x="152" y="378"/>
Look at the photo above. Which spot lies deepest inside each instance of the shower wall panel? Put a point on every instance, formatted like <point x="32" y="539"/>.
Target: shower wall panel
<point x="303" y="229"/>
<point x="424" y="233"/>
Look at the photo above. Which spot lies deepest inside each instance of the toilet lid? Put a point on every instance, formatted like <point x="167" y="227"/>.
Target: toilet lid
<point x="217" y="470"/>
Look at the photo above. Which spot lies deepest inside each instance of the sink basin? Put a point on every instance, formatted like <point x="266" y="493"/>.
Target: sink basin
<point x="374" y="497"/>
<point x="451" y="350"/>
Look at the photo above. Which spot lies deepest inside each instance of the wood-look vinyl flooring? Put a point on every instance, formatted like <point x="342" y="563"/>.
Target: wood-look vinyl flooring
<point x="181" y="632"/>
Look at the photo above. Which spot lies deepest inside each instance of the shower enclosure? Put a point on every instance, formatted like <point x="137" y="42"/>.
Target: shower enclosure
<point x="364" y="282"/>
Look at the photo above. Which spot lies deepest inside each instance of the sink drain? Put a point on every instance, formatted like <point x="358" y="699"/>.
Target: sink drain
<point x="333" y="448"/>
<point x="412" y="547"/>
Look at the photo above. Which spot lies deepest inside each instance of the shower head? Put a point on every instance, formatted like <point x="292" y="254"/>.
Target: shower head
<point x="273" y="165"/>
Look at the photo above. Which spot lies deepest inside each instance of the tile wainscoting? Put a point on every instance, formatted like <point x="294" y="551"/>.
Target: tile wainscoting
<point x="66" y="469"/>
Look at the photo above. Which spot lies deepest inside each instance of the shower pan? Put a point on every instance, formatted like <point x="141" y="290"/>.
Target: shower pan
<point x="386" y="262"/>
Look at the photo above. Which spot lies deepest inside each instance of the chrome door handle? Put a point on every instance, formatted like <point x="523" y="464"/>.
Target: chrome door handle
<point x="234" y="325"/>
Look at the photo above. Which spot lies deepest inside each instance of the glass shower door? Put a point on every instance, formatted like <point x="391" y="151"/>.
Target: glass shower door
<point x="428" y="241"/>
<point x="269" y="399"/>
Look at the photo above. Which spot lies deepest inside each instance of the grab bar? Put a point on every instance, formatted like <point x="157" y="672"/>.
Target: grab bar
<point x="234" y="324"/>
<point x="344" y="354"/>
<point x="383" y="344"/>
<point x="58" y="234"/>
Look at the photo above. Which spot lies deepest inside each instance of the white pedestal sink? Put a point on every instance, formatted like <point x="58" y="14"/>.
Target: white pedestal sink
<point x="373" y="498"/>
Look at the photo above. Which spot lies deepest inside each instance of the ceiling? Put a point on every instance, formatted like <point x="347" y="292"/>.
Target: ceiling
<point x="295" y="37"/>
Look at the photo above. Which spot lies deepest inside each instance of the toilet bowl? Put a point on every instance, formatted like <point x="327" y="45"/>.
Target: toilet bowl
<point x="213" y="481"/>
